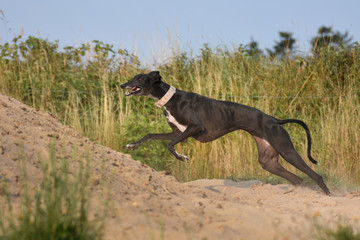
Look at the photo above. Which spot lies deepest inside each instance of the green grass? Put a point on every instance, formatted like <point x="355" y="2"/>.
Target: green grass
<point x="342" y="232"/>
<point x="56" y="209"/>
<point x="80" y="86"/>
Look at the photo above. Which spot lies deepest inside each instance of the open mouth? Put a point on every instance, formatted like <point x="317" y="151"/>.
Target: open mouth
<point x="133" y="90"/>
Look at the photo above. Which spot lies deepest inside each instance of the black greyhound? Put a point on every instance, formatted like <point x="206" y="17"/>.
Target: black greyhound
<point x="206" y="119"/>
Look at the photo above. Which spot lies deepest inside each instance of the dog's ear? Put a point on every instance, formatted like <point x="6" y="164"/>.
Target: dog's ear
<point x="155" y="76"/>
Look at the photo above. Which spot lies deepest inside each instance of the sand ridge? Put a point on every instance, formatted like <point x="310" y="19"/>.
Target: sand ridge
<point x="145" y="204"/>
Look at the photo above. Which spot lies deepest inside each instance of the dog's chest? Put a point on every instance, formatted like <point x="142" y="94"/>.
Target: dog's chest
<point x="170" y="118"/>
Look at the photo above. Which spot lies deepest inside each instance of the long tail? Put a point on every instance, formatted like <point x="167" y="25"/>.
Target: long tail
<point x="307" y="135"/>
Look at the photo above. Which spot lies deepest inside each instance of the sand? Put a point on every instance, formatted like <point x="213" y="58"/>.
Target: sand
<point x="145" y="204"/>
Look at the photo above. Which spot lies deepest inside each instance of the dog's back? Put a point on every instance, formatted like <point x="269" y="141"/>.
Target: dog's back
<point x="216" y="116"/>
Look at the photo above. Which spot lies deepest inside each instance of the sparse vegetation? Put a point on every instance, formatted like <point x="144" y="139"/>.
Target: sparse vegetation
<point x="342" y="232"/>
<point x="56" y="209"/>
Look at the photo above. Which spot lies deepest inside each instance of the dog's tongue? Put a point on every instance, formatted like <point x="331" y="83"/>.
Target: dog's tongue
<point x="133" y="88"/>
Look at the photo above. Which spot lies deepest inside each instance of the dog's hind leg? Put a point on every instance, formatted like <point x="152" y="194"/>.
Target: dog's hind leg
<point x="294" y="159"/>
<point x="268" y="159"/>
<point x="286" y="149"/>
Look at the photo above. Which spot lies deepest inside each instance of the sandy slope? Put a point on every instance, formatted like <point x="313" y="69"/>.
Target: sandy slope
<point x="146" y="204"/>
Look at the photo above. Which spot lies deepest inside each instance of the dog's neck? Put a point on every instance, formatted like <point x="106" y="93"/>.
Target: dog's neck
<point x="168" y="95"/>
<point x="162" y="93"/>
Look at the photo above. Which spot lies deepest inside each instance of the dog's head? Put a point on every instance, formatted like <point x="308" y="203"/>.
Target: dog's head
<point x="142" y="84"/>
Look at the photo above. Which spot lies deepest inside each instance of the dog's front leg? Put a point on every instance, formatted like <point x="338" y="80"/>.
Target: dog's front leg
<point x="151" y="136"/>
<point x="190" y="131"/>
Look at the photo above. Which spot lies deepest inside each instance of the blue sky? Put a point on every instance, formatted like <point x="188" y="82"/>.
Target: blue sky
<point x="148" y="28"/>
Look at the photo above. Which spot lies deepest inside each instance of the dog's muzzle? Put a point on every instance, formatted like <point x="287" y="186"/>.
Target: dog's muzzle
<point x="131" y="90"/>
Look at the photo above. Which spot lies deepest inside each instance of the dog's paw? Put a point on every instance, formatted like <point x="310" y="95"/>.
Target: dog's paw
<point x="132" y="146"/>
<point x="183" y="158"/>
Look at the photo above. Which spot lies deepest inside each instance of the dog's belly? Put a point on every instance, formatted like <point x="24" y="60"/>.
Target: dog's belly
<point x="208" y="136"/>
<point x="170" y="118"/>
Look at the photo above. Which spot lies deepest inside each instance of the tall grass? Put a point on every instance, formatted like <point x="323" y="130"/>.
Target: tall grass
<point x="323" y="91"/>
<point x="81" y="87"/>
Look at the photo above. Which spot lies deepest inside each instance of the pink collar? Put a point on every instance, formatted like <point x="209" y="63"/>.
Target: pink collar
<point x="166" y="97"/>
